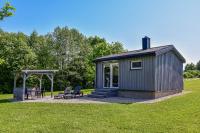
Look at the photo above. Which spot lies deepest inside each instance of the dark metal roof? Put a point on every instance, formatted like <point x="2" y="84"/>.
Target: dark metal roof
<point x="154" y="51"/>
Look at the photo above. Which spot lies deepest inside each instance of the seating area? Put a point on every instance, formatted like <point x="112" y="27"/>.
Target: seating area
<point x="32" y="93"/>
<point x="22" y="93"/>
<point x="70" y="93"/>
<point x="38" y="92"/>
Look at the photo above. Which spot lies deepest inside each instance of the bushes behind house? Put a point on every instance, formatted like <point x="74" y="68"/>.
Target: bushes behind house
<point x="192" y="74"/>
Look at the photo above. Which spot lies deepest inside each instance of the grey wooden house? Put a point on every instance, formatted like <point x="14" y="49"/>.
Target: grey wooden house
<point x="146" y="73"/>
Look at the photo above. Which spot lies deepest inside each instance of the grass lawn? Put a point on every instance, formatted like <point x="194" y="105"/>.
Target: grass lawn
<point x="176" y="115"/>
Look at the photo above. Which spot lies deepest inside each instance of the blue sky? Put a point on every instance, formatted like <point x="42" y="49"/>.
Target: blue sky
<point x="174" y="22"/>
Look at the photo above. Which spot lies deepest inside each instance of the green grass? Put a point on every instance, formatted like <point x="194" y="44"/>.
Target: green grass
<point x="177" y="115"/>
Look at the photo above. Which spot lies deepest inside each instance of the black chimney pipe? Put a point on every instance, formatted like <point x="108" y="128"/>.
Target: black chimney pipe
<point x="146" y="44"/>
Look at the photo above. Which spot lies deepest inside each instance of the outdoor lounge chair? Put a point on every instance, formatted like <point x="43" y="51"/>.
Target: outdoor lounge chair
<point x="76" y="92"/>
<point x="61" y="95"/>
<point x="67" y="90"/>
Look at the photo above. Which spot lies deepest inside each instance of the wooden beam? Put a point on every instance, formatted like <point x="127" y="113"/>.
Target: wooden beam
<point x="51" y="76"/>
<point x="24" y="86"/>
<point x="27" y="76"/>
<point x="15" y="81"/>
<point x="52" y="87"/>
<point x="41" y="82"/>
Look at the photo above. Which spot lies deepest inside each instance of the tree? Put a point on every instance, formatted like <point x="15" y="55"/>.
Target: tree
<point x="117" y="47"/>
<point x="16" y="55"/>
<point x="65" y="49"/>
<point x="6" y="11"/>
<point x="66" y="43"/>
<point x="95" y="40"/>
<point x="42" y="47"/>
<point x="198" y="65"/>
<point x="190" y="66"/>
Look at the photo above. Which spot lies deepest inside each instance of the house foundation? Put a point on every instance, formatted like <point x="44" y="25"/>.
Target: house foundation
<point x="145" y="94"/>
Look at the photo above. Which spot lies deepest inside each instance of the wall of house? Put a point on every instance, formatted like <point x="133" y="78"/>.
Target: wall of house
<point x="168" y="74"/>
<point x="139" y="80"/>
<point x="99" y="75"/>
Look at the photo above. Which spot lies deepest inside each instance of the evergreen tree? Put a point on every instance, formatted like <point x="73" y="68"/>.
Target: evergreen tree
<point x="190" y="66"/>
<point x="198" y="65"/>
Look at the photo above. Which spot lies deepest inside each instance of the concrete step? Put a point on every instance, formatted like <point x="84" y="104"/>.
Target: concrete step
<point x="102" y="93"/>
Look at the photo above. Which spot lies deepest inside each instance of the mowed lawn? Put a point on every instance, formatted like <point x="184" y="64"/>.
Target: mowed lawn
<point x="177" y="115"/>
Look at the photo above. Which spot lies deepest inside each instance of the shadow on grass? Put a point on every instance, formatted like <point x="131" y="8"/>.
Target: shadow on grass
<point x="5" y="101"/>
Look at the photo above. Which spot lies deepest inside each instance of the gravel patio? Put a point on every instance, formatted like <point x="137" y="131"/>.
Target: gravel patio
<point x="86" y="100"/>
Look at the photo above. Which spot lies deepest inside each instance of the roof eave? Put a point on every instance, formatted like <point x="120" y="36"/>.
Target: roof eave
<point x="171" y="48"/>
<point x="124" y="57"/>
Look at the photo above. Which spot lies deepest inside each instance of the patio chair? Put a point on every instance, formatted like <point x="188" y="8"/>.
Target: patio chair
<point x="77" y="91"/>
<point x="73" y="94"/>
<point x="38" y="93"/>
<point x="67" y="90"/>
<point x="62" y="95"/>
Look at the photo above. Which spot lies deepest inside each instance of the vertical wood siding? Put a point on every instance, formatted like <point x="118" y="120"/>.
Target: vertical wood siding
<point x="141" y="79"/>
<point x="99" y="75"/>
<point x="169" y="70"/>
<point x="161" y="73"/>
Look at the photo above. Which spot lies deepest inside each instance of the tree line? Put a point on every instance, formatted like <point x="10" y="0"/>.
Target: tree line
<point x="192" y="70"/>
<point x="64" y="49"/>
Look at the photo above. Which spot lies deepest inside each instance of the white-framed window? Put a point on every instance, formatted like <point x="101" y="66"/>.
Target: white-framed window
<point x="111" y="75"/>
<point x="137" y="64"/>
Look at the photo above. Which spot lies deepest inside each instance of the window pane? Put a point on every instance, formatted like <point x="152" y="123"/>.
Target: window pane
<point x="115" y="75"/>
<point x="136" y="64"/>
<point x="107" y="76"/>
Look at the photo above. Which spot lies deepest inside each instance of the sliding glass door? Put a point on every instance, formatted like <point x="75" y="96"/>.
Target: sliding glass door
<point x="115" y="75"/>
<point x="107" y="75"/>
<point x="111" y="75"/>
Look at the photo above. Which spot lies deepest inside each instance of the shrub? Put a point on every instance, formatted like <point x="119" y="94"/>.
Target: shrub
<point x="5" y="88"/>
<point x="187" y="75"/>
<point x="192" y="74"/>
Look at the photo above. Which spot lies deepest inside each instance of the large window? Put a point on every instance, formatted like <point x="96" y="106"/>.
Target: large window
<point x="136" y="64"/>
<point x="111" y="75"/>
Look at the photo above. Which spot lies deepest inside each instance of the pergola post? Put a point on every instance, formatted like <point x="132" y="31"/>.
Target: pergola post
<point x="15" y="80"/>
<point x="51" y="78"/>
<point x="52" y="86"/>
<point x="41" y="82"/>
<point x="24" y="86"/>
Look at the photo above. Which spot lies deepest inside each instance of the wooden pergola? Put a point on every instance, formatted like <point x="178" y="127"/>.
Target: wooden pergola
<point x="27" y="73"/>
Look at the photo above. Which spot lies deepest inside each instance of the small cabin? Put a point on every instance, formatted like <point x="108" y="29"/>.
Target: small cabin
<point x="147" y="73"/>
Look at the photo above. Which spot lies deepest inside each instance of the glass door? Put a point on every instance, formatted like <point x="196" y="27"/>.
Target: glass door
<point x="115" y="75"/>
<point x="111" y="75"/>
<point x="107" y="73"/>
